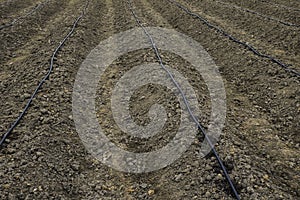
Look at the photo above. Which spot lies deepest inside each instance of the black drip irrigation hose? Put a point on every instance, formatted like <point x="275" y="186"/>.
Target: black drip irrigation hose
<point x="259" y="14"/>
<point x="62" y="42"/>
<point x="245" y="44"/>
<point x="220" y="162"/>
<point x="17" y="20"/>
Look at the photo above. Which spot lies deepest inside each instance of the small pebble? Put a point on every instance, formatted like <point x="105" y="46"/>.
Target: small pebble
<point x="151" y="192"/>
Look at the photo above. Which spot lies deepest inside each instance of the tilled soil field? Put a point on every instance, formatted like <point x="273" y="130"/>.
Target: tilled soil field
<point x="44" y="158"/>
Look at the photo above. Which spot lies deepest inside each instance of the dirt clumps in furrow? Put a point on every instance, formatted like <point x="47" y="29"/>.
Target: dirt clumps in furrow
<point x="262" y="90"/>
<point x="44" y="157"/>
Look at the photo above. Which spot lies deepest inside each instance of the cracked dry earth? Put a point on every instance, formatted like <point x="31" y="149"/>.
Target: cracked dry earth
<point x="44" y="157"/>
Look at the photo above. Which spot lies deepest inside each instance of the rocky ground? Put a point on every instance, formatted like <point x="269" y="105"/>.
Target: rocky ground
<point x="44" y="157"/>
